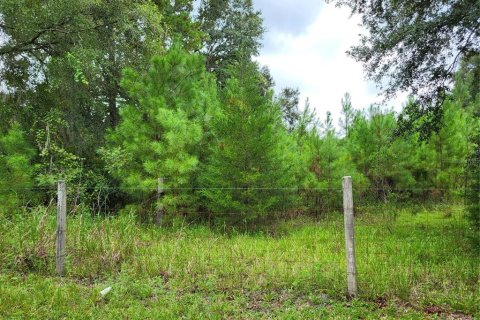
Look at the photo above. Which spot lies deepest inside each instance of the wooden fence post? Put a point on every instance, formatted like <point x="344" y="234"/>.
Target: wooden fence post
<point x="349" y="237"/>
<point x="159" y="215"/>
<point x="61" y="227"/>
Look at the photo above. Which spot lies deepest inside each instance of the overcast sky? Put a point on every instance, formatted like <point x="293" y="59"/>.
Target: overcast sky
<point x="304" y="47"/>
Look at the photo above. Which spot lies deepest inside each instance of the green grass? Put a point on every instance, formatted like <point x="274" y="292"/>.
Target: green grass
<point x="410" y="266"/>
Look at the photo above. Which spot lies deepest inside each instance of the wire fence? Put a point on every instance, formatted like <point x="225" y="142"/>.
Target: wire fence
<point x="196" y="202"/>
<point x="404" y="237"/>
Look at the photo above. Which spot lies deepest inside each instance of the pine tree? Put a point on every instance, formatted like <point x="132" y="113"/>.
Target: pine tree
<point x="304" y="133"/>
<point x="16" y="170"/>
<point x="473" y="187"/>
<point x="327" y="126"/>
<point x="450" y="147"/>
<point x="248" y="166"/>
<point x="370" y="143"/>
<point x="348" y="114"/>
<point x="288" y="100"/>
<point x="162" y="127"/>
<point x="467" y="93"/>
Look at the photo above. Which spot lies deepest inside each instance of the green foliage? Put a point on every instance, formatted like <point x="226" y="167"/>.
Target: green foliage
<point x="248" y="168"/>
<point x="473" y="188"/>
<point x="62" y="62"/>
<point x="233" y="30"/>
<point x="451" y="148"/>
<point x="422" y="47"/>
<point x="408" y="165"/>
<point x="177" y="20"/>
<point x="70" y="54"/>
<point x="16" y="170"/>
<point x="467" y="94"/>
<point x="325" y="160"/>
<point x="62" y="68"/>
<point x="348" y="114"/>
<point x="162" y="127"/>
<point x="372" y="150"/>
<point x="55" y="161"/>
<point x="289" y="99"/>
<point x="415" y="47"/>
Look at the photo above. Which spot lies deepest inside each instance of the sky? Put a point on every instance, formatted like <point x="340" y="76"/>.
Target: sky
<point x="305" y="47"/>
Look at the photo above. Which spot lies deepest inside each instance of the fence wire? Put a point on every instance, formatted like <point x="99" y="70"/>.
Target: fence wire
<point x="402" y="235"/>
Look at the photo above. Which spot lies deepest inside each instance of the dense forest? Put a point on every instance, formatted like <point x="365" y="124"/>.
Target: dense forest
<point x="110" y="96"/>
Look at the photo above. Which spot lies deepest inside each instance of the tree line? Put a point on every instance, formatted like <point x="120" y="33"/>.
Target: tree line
<point x="110" y="96"/>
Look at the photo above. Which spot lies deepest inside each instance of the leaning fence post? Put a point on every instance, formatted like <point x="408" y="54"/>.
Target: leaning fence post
<point x="61" y="227"/>
<point x="349" y="237"/>
<point x="159" y="215"/>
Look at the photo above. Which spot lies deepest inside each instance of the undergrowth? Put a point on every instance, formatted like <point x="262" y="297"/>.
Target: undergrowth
<point x="411" y="263"/>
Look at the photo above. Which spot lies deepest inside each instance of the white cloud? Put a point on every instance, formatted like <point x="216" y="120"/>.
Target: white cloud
<point x="315" y="61"/>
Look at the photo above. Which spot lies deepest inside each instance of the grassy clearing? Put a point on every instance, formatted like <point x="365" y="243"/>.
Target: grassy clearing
<point x="410" y="265"/>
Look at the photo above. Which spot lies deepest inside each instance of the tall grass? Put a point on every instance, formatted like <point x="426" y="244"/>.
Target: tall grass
<point x="407" y="260"/>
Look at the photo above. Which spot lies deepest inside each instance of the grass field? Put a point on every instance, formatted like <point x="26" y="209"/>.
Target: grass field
<point x="412" y="264"/>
